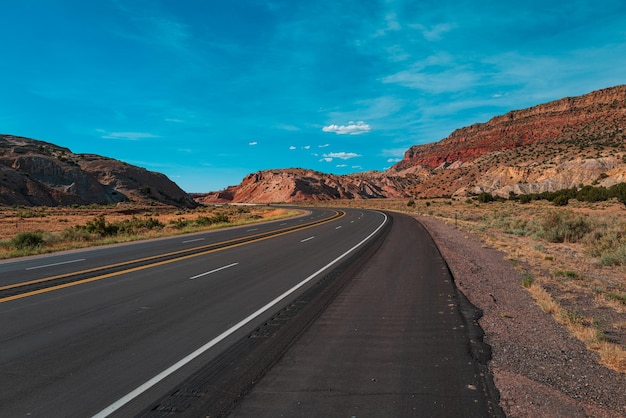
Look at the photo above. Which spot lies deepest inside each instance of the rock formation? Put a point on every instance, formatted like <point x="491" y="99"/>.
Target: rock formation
<point x="37" y="173"/>
<point x="297" y="185"/>
<point x="561" y="144"/>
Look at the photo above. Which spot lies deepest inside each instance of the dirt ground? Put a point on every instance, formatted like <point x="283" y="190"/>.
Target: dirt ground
<point x="539" y="368"/>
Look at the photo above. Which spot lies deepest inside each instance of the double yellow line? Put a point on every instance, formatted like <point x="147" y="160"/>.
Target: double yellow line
<point x="171" y="258"/>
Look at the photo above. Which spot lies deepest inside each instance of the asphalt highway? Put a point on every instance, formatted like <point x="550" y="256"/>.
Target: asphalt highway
<point x="106" y="331"/>
<point x="398" y="341"/>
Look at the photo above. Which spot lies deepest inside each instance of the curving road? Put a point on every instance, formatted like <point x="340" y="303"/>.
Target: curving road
<point x="109" y="330"/>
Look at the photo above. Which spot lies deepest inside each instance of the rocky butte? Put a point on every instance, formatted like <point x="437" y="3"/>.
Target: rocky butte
<point x="548" y="147"/>
<point x="37" y="173"/>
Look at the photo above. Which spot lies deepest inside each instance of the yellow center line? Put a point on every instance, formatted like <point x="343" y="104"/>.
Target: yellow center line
<point x="159" y="263"/>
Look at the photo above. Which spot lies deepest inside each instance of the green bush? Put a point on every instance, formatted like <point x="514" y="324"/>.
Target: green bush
<point x="560" y="200"/>
<point x="592" y="194"/>
<point x="136" y="225"/>
<point x="27" y="240"/>
<point x="485" y="197"/>
<point x="618" y="191"/>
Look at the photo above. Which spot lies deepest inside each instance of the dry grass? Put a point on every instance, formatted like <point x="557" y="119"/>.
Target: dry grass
<point x="585" y="329"/>
<point x="60" y="228"/>
<point x="570" y="258"/>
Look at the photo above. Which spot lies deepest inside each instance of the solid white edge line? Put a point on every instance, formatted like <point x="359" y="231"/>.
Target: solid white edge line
<point x="214" y="271"/>
<point x="55" y="264"/>
<point x="184" y="361"/>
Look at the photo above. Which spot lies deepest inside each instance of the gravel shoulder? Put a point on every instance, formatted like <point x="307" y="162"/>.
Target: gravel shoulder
<point x="539" y="369"/>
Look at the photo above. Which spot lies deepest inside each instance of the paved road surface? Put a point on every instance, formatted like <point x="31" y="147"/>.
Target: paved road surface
<point x="92" y="326"/>
<point x="393" y="344"/>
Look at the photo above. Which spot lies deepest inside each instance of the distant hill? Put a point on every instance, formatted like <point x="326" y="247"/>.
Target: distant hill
<point x="298" y="185"/>
<point x="548" y="147"/>
<point x="37" y="173"/>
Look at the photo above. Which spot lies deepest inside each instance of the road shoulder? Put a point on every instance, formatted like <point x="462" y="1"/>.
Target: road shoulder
<point x="393" y="343"/>
<point x="539" y="369"/>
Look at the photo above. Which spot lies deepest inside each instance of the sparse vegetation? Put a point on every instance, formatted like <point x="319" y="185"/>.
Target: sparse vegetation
<point x="76" y="227"/>
<point x="27" y="240"/>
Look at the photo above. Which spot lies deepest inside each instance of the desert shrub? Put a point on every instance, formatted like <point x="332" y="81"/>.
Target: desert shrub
<point x="220" y="218"/>
<point x="203" y="221"/>
<point x="614" y="256"/>
<point x="608" y="241"/>
<point x="560" y="200"/>
<point x="136" y="225"/>
<point x="411" y="203"/>
<point x="563" y="227"/>
<point x="485" y="197"/>
<point x="179" y="223"/>
<point x="27" y="240"/>
<point x="99" y="226"/>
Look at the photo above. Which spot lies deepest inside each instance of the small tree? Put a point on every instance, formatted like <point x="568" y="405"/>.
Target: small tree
<point x="485" y="197"/>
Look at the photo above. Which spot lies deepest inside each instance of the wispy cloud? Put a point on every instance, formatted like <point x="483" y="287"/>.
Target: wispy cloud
<point x="292" y="148"/>
<point x="155" y="27"/>
<point x="323" y="146"/>
<point x="394" y="160"/>
<point x="128" y="136"/>
<point x="286" y="127"/>
<point x="352" y="128"/>
<point x="253" y="143"/>
<point x="393" y="152"/>
<point x="434" y="32"/>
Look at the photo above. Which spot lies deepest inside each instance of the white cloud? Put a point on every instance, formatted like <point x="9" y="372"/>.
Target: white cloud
<point x="292" y="148"/>
<point x="353" y="128"/>
<point x="174" y="120"/>
<point x="342" y="165"/>
<point x="252" y="143"/>
<point x="394" y="160"/>
<point x="323" y="146"/>
<point x="307" y="147"/>
<point x="357" y="167"/>
<point x="128" y="136"/>
<point x="341" y="155"/>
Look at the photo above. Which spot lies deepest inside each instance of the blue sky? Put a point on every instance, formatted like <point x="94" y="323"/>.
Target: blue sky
<point x="208" y="91"/>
